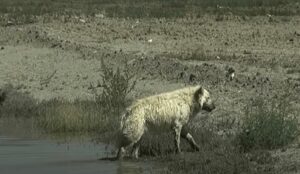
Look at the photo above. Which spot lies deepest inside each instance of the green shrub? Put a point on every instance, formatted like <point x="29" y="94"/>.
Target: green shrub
<point x="268" y="125"/>
<point x="116" y="86"/>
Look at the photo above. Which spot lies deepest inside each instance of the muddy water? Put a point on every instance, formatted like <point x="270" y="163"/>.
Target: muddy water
<point x="36" y="156"/>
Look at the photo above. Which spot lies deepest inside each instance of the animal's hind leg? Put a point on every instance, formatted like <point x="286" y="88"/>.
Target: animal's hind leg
<point x="187" y="136"/>
<point x="177" y="130"/>
<point x="132" y="132"/>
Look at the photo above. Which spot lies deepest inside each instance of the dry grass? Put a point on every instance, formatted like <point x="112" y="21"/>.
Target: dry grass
<point x="56" y="116"/>
<point x="216" y="155"/>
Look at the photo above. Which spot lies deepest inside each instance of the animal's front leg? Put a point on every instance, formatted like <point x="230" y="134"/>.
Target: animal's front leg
<point x="135" y="150"/>
<point x="177" y="131"/>
<point x="186" y="135"/>
<point x="121" y="153"/>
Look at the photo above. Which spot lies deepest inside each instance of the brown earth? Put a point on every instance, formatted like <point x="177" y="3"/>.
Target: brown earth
<point x="61" y="57"/>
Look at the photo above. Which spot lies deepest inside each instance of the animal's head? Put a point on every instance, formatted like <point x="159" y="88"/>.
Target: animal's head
<point x="202" y="97"/>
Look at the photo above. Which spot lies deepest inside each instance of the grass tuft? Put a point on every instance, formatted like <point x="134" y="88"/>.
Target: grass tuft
<point x="268" y="125"/>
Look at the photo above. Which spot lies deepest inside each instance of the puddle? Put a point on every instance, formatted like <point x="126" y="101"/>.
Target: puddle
<point x="35" y="156"/>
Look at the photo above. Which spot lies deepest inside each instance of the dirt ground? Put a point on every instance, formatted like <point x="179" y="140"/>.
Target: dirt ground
<point x="61" y="57"/>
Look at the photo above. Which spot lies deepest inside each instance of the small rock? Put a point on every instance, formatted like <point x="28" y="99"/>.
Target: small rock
<point x="9" y="23"/>
<point x="82" y="20"/>
<point x="247" y="52"/>
<point x="231" y="76"/>
<point x="99" y="15"/>
<point x="181" y="75"/>
<point x="230" y="73"/>
<point x="2" y="48"/>
<point x="85" y="77"/>
<point x="192" y="78"/>
<point x="53" y="45"/>
<point x="2" y="97"/>
<point x="283" y="149"/>
<point x="221" y="132"/>
<point x="231" y="70"/>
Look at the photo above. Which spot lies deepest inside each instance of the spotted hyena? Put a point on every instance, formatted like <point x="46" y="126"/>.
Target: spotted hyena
<point x="171" y="110"/>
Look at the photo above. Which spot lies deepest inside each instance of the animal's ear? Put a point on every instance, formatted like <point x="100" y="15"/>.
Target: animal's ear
<point x="199" y="92"/>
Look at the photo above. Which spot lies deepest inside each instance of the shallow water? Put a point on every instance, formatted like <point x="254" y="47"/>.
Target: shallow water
<point x="42" y="156"/>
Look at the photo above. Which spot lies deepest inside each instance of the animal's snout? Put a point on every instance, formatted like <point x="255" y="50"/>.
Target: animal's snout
<point x="213" y="106"/>
<point x="209" y="107"/>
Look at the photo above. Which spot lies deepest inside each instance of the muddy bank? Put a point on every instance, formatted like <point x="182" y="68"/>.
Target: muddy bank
<point x="63" y="59"/>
